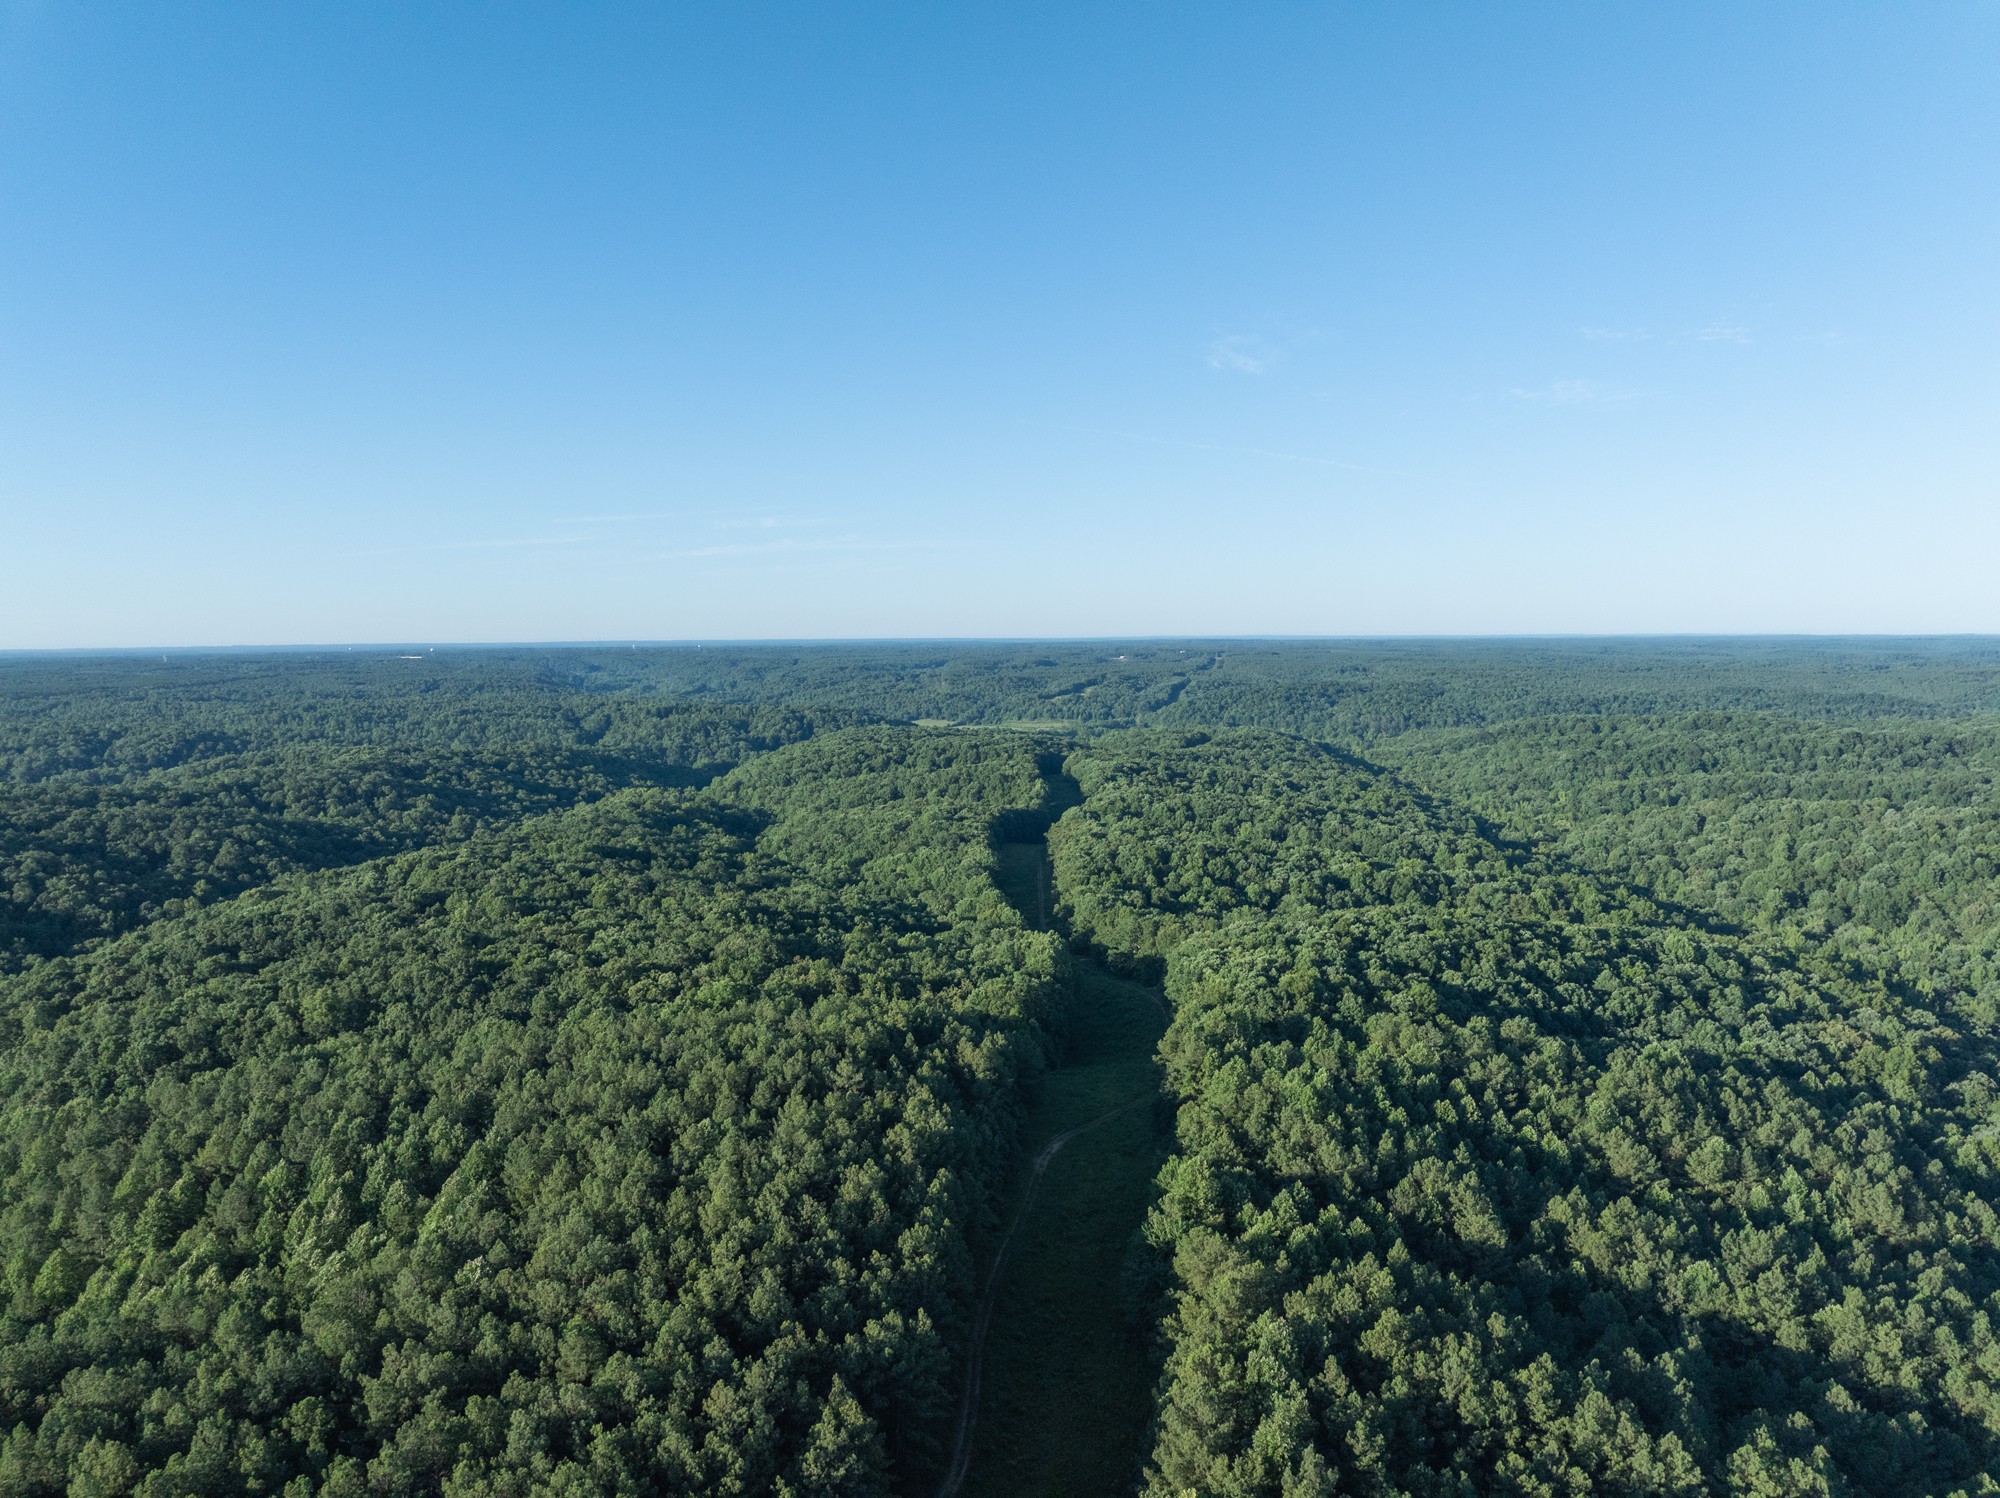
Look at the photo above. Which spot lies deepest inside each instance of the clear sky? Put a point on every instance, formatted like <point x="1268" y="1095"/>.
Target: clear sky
<point x="372" y="321"/>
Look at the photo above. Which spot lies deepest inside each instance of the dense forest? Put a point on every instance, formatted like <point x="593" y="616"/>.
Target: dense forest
<point x="605" y="1070"/>
<point x="1491" y="1173"/>
<point x="1878" y="836"/>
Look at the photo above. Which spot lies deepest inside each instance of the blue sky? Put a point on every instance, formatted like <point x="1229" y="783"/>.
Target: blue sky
<point x="351" y="322"/>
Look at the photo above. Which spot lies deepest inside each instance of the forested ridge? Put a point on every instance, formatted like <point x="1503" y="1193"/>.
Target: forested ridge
<point x="88" y="859"/>
<point x="600" y="1070"/>
<point x="1883" y="838"/>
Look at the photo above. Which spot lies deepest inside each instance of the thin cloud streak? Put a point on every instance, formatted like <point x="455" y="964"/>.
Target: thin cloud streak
<point x="773" y="523"/>
<point x="620" y="519"/>
<point x="793" y="546"/>
<point x="497" y="543"/>
<point x="725" y="521"/>
<point x="1576" y="393"/>
<point x="1715" y="332"/>
<point x="1254" y="452"/>
<point x="1242" y="353"/>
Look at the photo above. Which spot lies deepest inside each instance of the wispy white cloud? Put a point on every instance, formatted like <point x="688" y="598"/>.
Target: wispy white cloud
<point x="1254" y="452"/>
<point x="771" y="523"/>
<point x="726" y="521"/>
<point x="1576" y="393"/>
<point x="1720" y="331"/>
<point x="519" y="541"/>
<point x="483" y="543"/>
<point x="1244" y="353"/>
<point x="793" y="544"/>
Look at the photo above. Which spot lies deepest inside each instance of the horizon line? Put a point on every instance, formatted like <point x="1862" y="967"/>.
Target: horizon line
<point x="835" y="641"/>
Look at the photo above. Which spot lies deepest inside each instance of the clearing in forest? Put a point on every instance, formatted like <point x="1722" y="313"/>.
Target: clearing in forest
<point x="1065" y="1388"/>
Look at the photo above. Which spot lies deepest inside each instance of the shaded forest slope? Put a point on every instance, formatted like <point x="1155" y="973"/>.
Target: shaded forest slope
<point x="1492" y="1177"/>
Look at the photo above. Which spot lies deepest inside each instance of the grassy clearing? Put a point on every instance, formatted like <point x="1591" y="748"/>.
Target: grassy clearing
<point x="1067" y="1390"/>
<point x="1023" y="877"/>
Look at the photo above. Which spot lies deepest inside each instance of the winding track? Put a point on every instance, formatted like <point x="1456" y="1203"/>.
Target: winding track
<point x="968" y="1405"/>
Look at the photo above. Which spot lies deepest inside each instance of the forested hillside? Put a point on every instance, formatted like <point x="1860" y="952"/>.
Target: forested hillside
<point x="599" y="1070"/>
<point x="1883" y="837"/>
<point x="111" y="717"/>
<point x="1491" y="1177"/>
<point x="86" y="859"/>
<point x="613" y="1151"/>
<point x="138" y="799"/>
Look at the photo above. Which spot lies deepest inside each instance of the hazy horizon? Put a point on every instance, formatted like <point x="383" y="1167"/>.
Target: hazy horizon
<point x="279" y="647"/>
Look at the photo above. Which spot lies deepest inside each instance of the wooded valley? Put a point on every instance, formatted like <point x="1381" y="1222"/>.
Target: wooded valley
<point x="623" y="1070"/>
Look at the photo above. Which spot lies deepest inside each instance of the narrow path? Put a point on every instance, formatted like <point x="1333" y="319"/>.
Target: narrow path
<point x="968" y="1405"/>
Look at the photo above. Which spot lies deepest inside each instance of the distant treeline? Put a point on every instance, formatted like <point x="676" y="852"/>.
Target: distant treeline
<point x="121" y="713"/>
